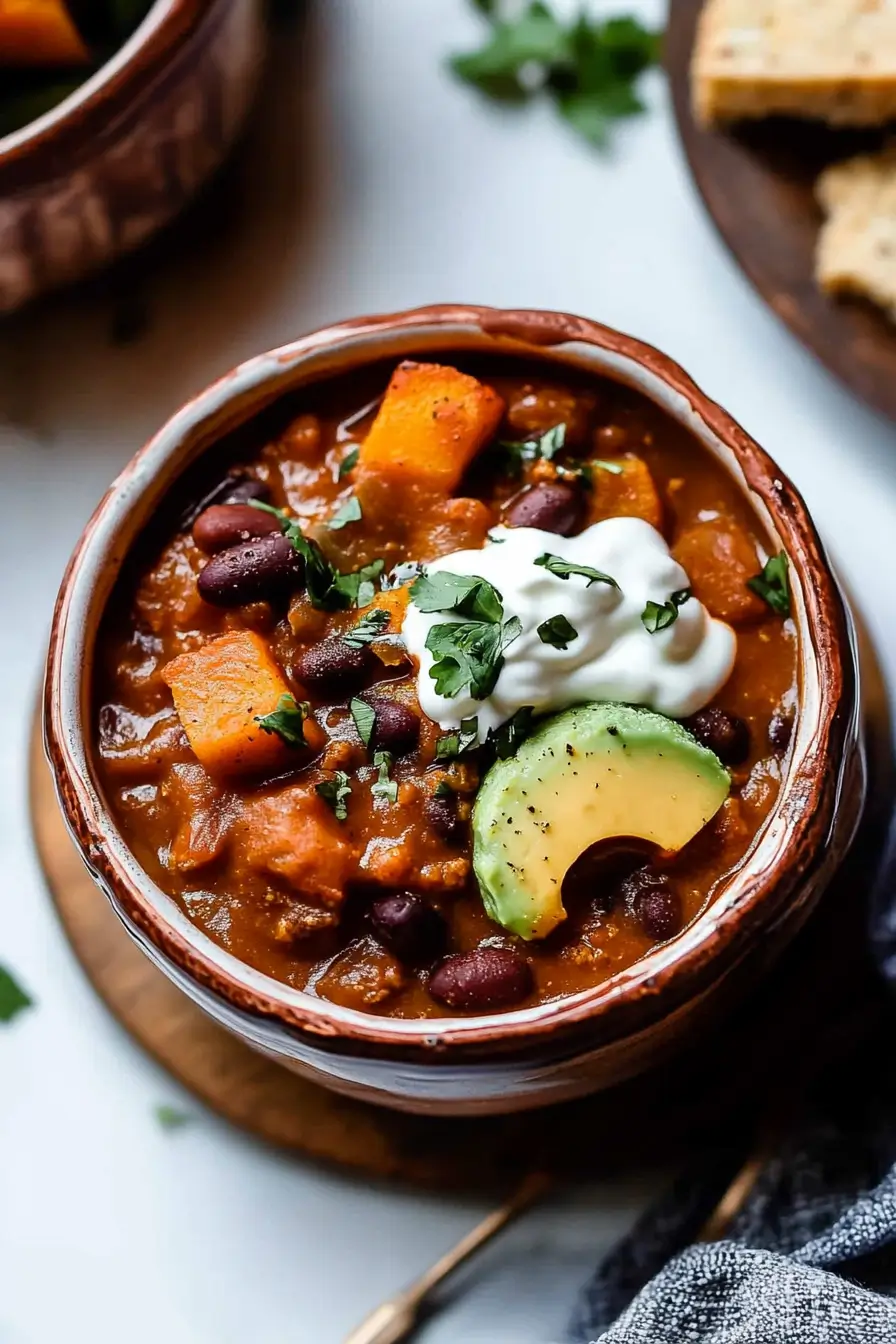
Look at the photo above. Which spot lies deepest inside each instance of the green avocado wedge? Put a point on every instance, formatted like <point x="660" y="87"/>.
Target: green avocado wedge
<point x="591" y="773"/>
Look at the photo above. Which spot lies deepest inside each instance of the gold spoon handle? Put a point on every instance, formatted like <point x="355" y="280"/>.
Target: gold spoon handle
<point x="394" y="1319"/>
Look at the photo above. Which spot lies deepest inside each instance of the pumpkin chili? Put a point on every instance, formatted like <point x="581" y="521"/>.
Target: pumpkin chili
<point x="452" y="687"/>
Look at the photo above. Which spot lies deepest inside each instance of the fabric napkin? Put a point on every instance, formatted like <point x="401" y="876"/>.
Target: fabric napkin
<point x="811" y="1258"/>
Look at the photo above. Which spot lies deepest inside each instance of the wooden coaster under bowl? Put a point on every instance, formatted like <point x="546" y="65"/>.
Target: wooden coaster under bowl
<point x="687" y="1103"/>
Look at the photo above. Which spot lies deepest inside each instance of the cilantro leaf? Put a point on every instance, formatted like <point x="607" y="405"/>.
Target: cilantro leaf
<point x="384" y="787"/>
<point x="327" y="588"/>
<point x="349" y="513"/>
<point x="469" y="653"/>
<point x="335" y="792"/>
<point x="507" y="739"/>
<point x="348" y="463"/>
<point x="443" y="790"/>
<point x="287" y="720"/>
<point x="543" y="447"/>
<point x="456" y="744"/>
<point x="601" y="464"/>
<point x="558" y="632"/>
<point x="466" y="594"/>
<point x="169" y="1117"/>
<point x="589" y="68"/>
<point x="658" y="616"/>
<point x="367" y="629"/>
<point x="773" y="584"/>
<point x="13" y="998"/>
<point x="562" y="569"/>
<point x="364" y="716"/>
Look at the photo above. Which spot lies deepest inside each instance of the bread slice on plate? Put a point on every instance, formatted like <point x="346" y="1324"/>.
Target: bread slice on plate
<point x="829" y="59"/>
<point x="856" y="251"/>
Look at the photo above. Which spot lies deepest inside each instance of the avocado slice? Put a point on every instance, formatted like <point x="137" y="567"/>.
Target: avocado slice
<point x="592" y="773"/>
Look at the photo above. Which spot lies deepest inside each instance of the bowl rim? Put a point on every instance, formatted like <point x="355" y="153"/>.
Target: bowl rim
<point x="78" y="120"/>
<point x="790" y="846"/>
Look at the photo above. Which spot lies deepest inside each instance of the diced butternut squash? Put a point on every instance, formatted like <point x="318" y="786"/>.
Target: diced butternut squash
<point x="720" y="558"/>
<point x="220" y="691"/>
<point x="458" y="524"/>
<point x="292" y="835"/>
<point x="39" y="33"/>
<point x="432" y="422"/>
<point x="627" y="493"/>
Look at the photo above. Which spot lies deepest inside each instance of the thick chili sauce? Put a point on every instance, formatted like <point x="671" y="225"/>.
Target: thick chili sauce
<point x="296" y="881"/>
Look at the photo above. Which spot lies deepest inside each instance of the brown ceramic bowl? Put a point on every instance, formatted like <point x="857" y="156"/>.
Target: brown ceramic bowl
<point x="530" y="1056"/>
<point x="103" y="170"/>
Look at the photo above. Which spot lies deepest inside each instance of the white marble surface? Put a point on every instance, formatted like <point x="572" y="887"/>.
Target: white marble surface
<point x="373" y="182"/>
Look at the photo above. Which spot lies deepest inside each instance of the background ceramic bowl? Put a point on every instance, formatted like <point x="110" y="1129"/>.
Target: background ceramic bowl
<point x="530" y="1056"/>
<point x="109" y="165"/>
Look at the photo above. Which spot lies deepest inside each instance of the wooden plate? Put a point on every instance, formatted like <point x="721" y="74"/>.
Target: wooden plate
<point x="758" y="185"/>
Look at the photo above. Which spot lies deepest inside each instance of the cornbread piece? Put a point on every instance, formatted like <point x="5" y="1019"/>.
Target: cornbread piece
<point x="830" y="59"/>
<point x="856" y="251"/>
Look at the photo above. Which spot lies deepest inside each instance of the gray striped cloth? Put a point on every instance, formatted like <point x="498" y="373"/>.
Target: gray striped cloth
<point x="811" y="1259"/>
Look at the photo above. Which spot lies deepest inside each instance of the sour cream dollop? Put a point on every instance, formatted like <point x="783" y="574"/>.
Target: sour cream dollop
<point x="614" y="657"/>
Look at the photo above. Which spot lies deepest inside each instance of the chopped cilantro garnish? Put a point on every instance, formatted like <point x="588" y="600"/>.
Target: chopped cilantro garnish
<point x="367" y="629"/>
<point x="327" y="588"/>
<point x="384" y="787"/>
<point x="465" y="594"/>
<point x="600" y="464"/>
<point x="515" y="455"/>
<point x="773" y="584"/>
<point x="455" y="744"/>
<point x="348" y="463"/>
<point x="169" y="1117"/>
<point x="349" y="513"/>
<point x="558" y="632"/>
<point x="658" y="616"/>
<point x="508" y="738"/>
<point x="589" y="67"/>
<point x="562" y="569"/>
<point x="365" y="719"/>
<point x="13" y="999"/>
<point x="287" y="720"/>
<point x="470" y="653"/>
<point x="335" y="792"/>
<point x="443" y="790"/>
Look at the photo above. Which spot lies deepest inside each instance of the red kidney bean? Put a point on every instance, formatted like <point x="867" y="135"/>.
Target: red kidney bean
<point x="725" y="734"/>
<point x="441" y="815"/>
<point x="780" y="730"/>
<point x="224" y="525"/>
<point x="410" y="928"/>
<point x="488" y="977"/>
<point x="253" y="571"/>
<point x="396" y="728"/>
<point x="654" y="902"/>
<point x="234" y="489"/>
<point x="333" y="667"/>
<point x="554" y="506"/>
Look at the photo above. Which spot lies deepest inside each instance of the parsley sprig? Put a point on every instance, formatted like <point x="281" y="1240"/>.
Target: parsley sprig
<point x="465" y="653"/>
<point x="328" y="589"/>
<point x="590" y="68"/>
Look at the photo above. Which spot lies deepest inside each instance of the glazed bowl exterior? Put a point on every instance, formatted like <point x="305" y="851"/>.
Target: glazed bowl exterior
<point x="102" y="171"/>
<point x="530" y="1056"/>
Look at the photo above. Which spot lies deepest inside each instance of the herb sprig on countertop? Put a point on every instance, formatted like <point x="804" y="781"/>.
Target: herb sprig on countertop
<point x="590" y="67"/>
<point x="13" y="998"/>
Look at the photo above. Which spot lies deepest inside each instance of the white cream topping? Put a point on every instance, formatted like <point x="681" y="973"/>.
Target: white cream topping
<point x="675" y="672"/>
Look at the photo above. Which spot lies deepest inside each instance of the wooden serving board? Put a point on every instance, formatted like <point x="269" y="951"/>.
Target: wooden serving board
<point x="757" y="182"/>
<point x="705" y="1096"/>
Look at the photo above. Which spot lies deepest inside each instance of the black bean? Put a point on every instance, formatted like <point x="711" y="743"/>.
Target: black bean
<point x="725" y="734"/>
<point x="410" y="928"/>
<point x="489" y="977"/>
<point x="598" y="874"/>
<point x="396" y="728"/>
<point x="654" y="902"/>
<point x="553" y="506"/>
<point x="234" y="489"/>
<point x="224" y="525"/>
<point x="441" y="814"/>
<point x="334" y="668"/>
<point x="251" y="572"/>
<point x="780" y="730"/>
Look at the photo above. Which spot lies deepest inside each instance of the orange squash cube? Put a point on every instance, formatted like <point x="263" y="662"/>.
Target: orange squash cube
<point x="432" y="422"/>
<point x="39" y="32"/>
<point x="219" y="691"/>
